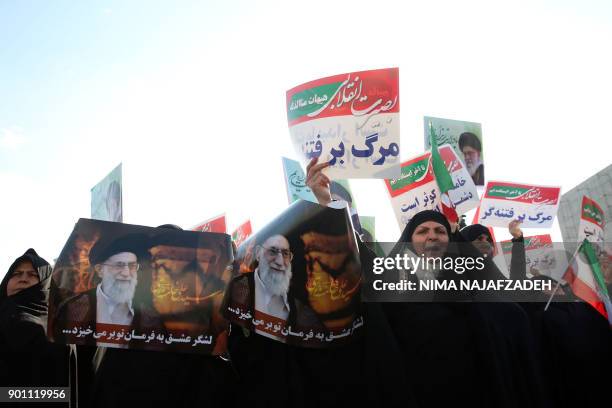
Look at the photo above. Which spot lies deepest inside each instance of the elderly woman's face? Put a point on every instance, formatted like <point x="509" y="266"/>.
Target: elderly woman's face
<point x="430" y="238"/>
<point x="24" y="276"/>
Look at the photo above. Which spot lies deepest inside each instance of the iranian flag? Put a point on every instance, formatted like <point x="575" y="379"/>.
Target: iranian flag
<point x="585" y="278"/>
<point x="443" y="179"/>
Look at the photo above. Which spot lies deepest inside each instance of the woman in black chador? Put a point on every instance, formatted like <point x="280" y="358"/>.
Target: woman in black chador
<point x="466" y="352"/>
<point x="27" y="359"/>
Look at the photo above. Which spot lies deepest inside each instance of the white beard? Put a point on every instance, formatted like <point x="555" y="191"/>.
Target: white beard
<point x="118" y="291"/>
<point x="471" y="168"/>
<point x="275" y="282"/>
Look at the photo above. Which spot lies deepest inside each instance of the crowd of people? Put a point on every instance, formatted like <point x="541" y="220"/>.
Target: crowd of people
<point x="411" y="354"/>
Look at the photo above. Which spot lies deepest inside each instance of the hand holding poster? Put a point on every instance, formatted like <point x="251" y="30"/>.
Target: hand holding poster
<point x="295" y="181"/>
<point x="534" y="206"/>
<point x="107" y="198"/>
<point x="584" y="276"/>
<point x="416" y="189"/>
<point x="300" y="279"/>
<point x="128" y="286"/>
<point x="351" y="121"/>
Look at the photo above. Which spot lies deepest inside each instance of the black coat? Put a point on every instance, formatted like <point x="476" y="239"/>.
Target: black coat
<point x="573" y="342"/>
<point x="469" y="353"/>
<point x="134" y="378"/>
<point x="362" y="372"/>
<point x="575" y="351"/>
<point x="26" y="357"/>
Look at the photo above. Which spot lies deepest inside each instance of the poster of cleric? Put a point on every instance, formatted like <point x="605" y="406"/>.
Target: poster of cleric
<point x="128" y="286"/>
<point x="300" y="279"/>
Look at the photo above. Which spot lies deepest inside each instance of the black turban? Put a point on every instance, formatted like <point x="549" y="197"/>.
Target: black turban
<point x="421" y="217"/>
<point x="472" y="232"/>
<point x="471" y="140"/>
<point x="104" y="248"/>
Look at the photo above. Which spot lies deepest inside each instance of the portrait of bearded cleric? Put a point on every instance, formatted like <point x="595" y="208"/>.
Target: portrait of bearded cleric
<point x="130" y="286"/>
<point x="300" y="278"/>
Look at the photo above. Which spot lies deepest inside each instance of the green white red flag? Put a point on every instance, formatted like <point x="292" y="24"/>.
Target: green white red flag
<point x="585" y="278"/>
<point x="443" y="179"/>
<point x="417" y="190"/>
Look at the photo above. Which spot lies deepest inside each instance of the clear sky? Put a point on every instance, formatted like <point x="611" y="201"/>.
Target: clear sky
<point x="190" y="96"/>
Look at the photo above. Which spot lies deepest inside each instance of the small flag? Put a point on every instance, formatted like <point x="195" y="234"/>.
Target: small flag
<point x="584" y="277"/>
<point x="443" y="178"/>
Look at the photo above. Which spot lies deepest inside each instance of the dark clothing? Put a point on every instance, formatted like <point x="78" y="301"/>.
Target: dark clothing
<point x="478" y="176"/>
<point x="481" y="353"/>
<point x="518" y="262"/>
<point x="437" y="351"/>
<point x="26" y="357"/>
<point x="134" y="378"/>
<point x="275" y="374"/>
<point x="575" y="351"/>
<point x="573" y="342"/>
<point x="465" y="353"/>
<point x="128" y="378"/>
<point x="364" y="371"/>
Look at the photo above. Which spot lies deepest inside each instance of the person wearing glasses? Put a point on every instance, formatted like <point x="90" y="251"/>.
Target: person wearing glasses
<point x="272" y="277"/>
<point x="110" y="305"/>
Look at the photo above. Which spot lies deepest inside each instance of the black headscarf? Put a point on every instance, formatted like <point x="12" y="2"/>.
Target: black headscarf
<point x="420" y="218"/>
<point x="472" y="232"/>
<point x="434" y="338"/>
<point x="459" y="245"/>
<point x="472" y="350"/>
<point x="26" y="357"/>
<point x="28" y="304"/>
<point x="405" y="240"/>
